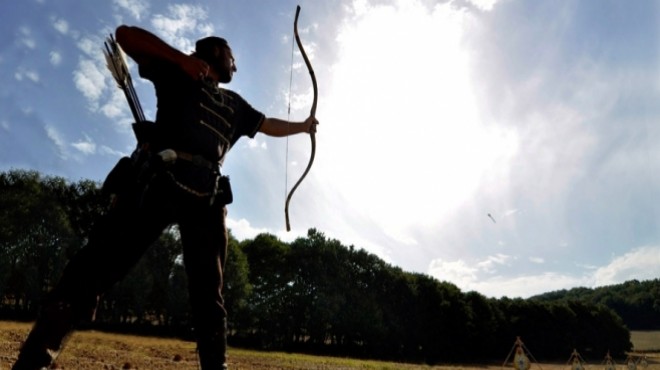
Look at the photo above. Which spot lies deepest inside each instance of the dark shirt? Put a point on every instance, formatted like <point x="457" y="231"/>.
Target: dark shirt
<point x="198" y="117"/>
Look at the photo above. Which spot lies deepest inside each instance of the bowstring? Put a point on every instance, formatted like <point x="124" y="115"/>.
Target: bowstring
<point x="288" y="119"/>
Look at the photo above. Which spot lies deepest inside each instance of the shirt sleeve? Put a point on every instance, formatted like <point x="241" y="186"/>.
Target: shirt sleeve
<point x="157" y="70"/>
<point x="250" y="119"/>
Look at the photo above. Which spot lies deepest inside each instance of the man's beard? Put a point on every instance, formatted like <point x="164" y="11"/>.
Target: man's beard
<point x="224" y="75"/>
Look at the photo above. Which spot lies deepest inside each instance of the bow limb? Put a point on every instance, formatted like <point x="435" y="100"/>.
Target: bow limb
<point x="312" y="113"/>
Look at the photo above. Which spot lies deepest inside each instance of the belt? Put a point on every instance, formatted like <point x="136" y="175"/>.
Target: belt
<point x="170" y="155"/>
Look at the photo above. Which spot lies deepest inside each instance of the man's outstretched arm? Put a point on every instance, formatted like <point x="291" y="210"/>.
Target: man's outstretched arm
<point x="279" y="128"/>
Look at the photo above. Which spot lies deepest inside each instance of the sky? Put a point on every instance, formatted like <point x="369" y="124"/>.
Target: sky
<point x="509" y="147"/>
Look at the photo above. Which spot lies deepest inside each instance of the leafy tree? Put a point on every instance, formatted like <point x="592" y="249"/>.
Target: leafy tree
<point x="484" y="322"/>
<point x="237" y="288"/>
<point x="637" y="303"/>
<point x="270" y="279"/>
<point x="35" y="235"/>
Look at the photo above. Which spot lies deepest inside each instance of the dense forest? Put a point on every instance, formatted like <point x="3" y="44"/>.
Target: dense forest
<point x="311" y="295"/>
<point x="637" y="303"/>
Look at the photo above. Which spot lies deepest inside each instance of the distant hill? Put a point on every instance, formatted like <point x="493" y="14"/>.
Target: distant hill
<point x="637" y="303"/>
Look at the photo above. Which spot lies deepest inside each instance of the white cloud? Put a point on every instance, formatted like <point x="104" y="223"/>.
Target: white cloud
<point x="4" y="125"/>
<point x="110" y="152"/>
<point x="241" y="229"/>
<point x="641" y="263"/>
<point x="457" y="272"/>
<point x="91" y="46"/>
<point x="57" y="139"/>
<point x="182" y="25"/>
<point x="93" y="79"/>
<point x="525" y="286"/>
<point x="116" y="106"/>
<point x="89" y="80"/>
<point x="86" y="146"/>
<point x="486" y="5"/>
<point x="26" y="38"/>
<point x="55" y="58"/>
<point x="465" y="275"/>
<point x="136" y="8"/>
<point x="490" y="281"/>
<point x="26" y="74"/>
<point x="493" y="276"/>
<point x="552" y="156"/>
<point x="491" y="263"/>
<point x="61" y="25"/>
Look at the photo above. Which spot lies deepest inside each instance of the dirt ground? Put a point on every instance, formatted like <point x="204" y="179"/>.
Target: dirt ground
<point x="95" y="350"/>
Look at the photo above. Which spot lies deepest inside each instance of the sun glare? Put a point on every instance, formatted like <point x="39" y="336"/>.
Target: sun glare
<point x="413" y="145"/>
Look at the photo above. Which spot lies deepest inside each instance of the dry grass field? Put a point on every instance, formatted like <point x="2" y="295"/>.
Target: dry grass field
<point x="96" y="350"/>
<point x="648" y="341"/>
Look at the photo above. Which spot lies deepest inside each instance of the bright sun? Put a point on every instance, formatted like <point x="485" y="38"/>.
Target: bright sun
<point x="413" y="147"/>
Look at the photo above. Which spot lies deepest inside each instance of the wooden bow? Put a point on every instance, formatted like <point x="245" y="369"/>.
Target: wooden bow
<point x="312" y="113"/>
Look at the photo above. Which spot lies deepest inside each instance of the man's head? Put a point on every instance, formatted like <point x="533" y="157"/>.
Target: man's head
<point x="216" y="52"/>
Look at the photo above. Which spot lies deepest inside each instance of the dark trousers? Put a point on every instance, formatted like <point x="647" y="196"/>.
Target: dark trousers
<point x="117" y="242"/>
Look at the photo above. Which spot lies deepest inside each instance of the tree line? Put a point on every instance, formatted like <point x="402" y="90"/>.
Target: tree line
<point x="636" y="302"/>
<point x="312" y="295"/>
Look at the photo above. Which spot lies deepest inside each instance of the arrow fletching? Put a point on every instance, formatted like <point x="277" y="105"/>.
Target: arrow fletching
<point x="116" y="63"/>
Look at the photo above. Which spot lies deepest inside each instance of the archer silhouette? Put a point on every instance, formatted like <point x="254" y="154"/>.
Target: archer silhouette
<point x="173" y="177"/>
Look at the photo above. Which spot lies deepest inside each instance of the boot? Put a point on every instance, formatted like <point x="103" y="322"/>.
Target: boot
<point x="212" y="352"/>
